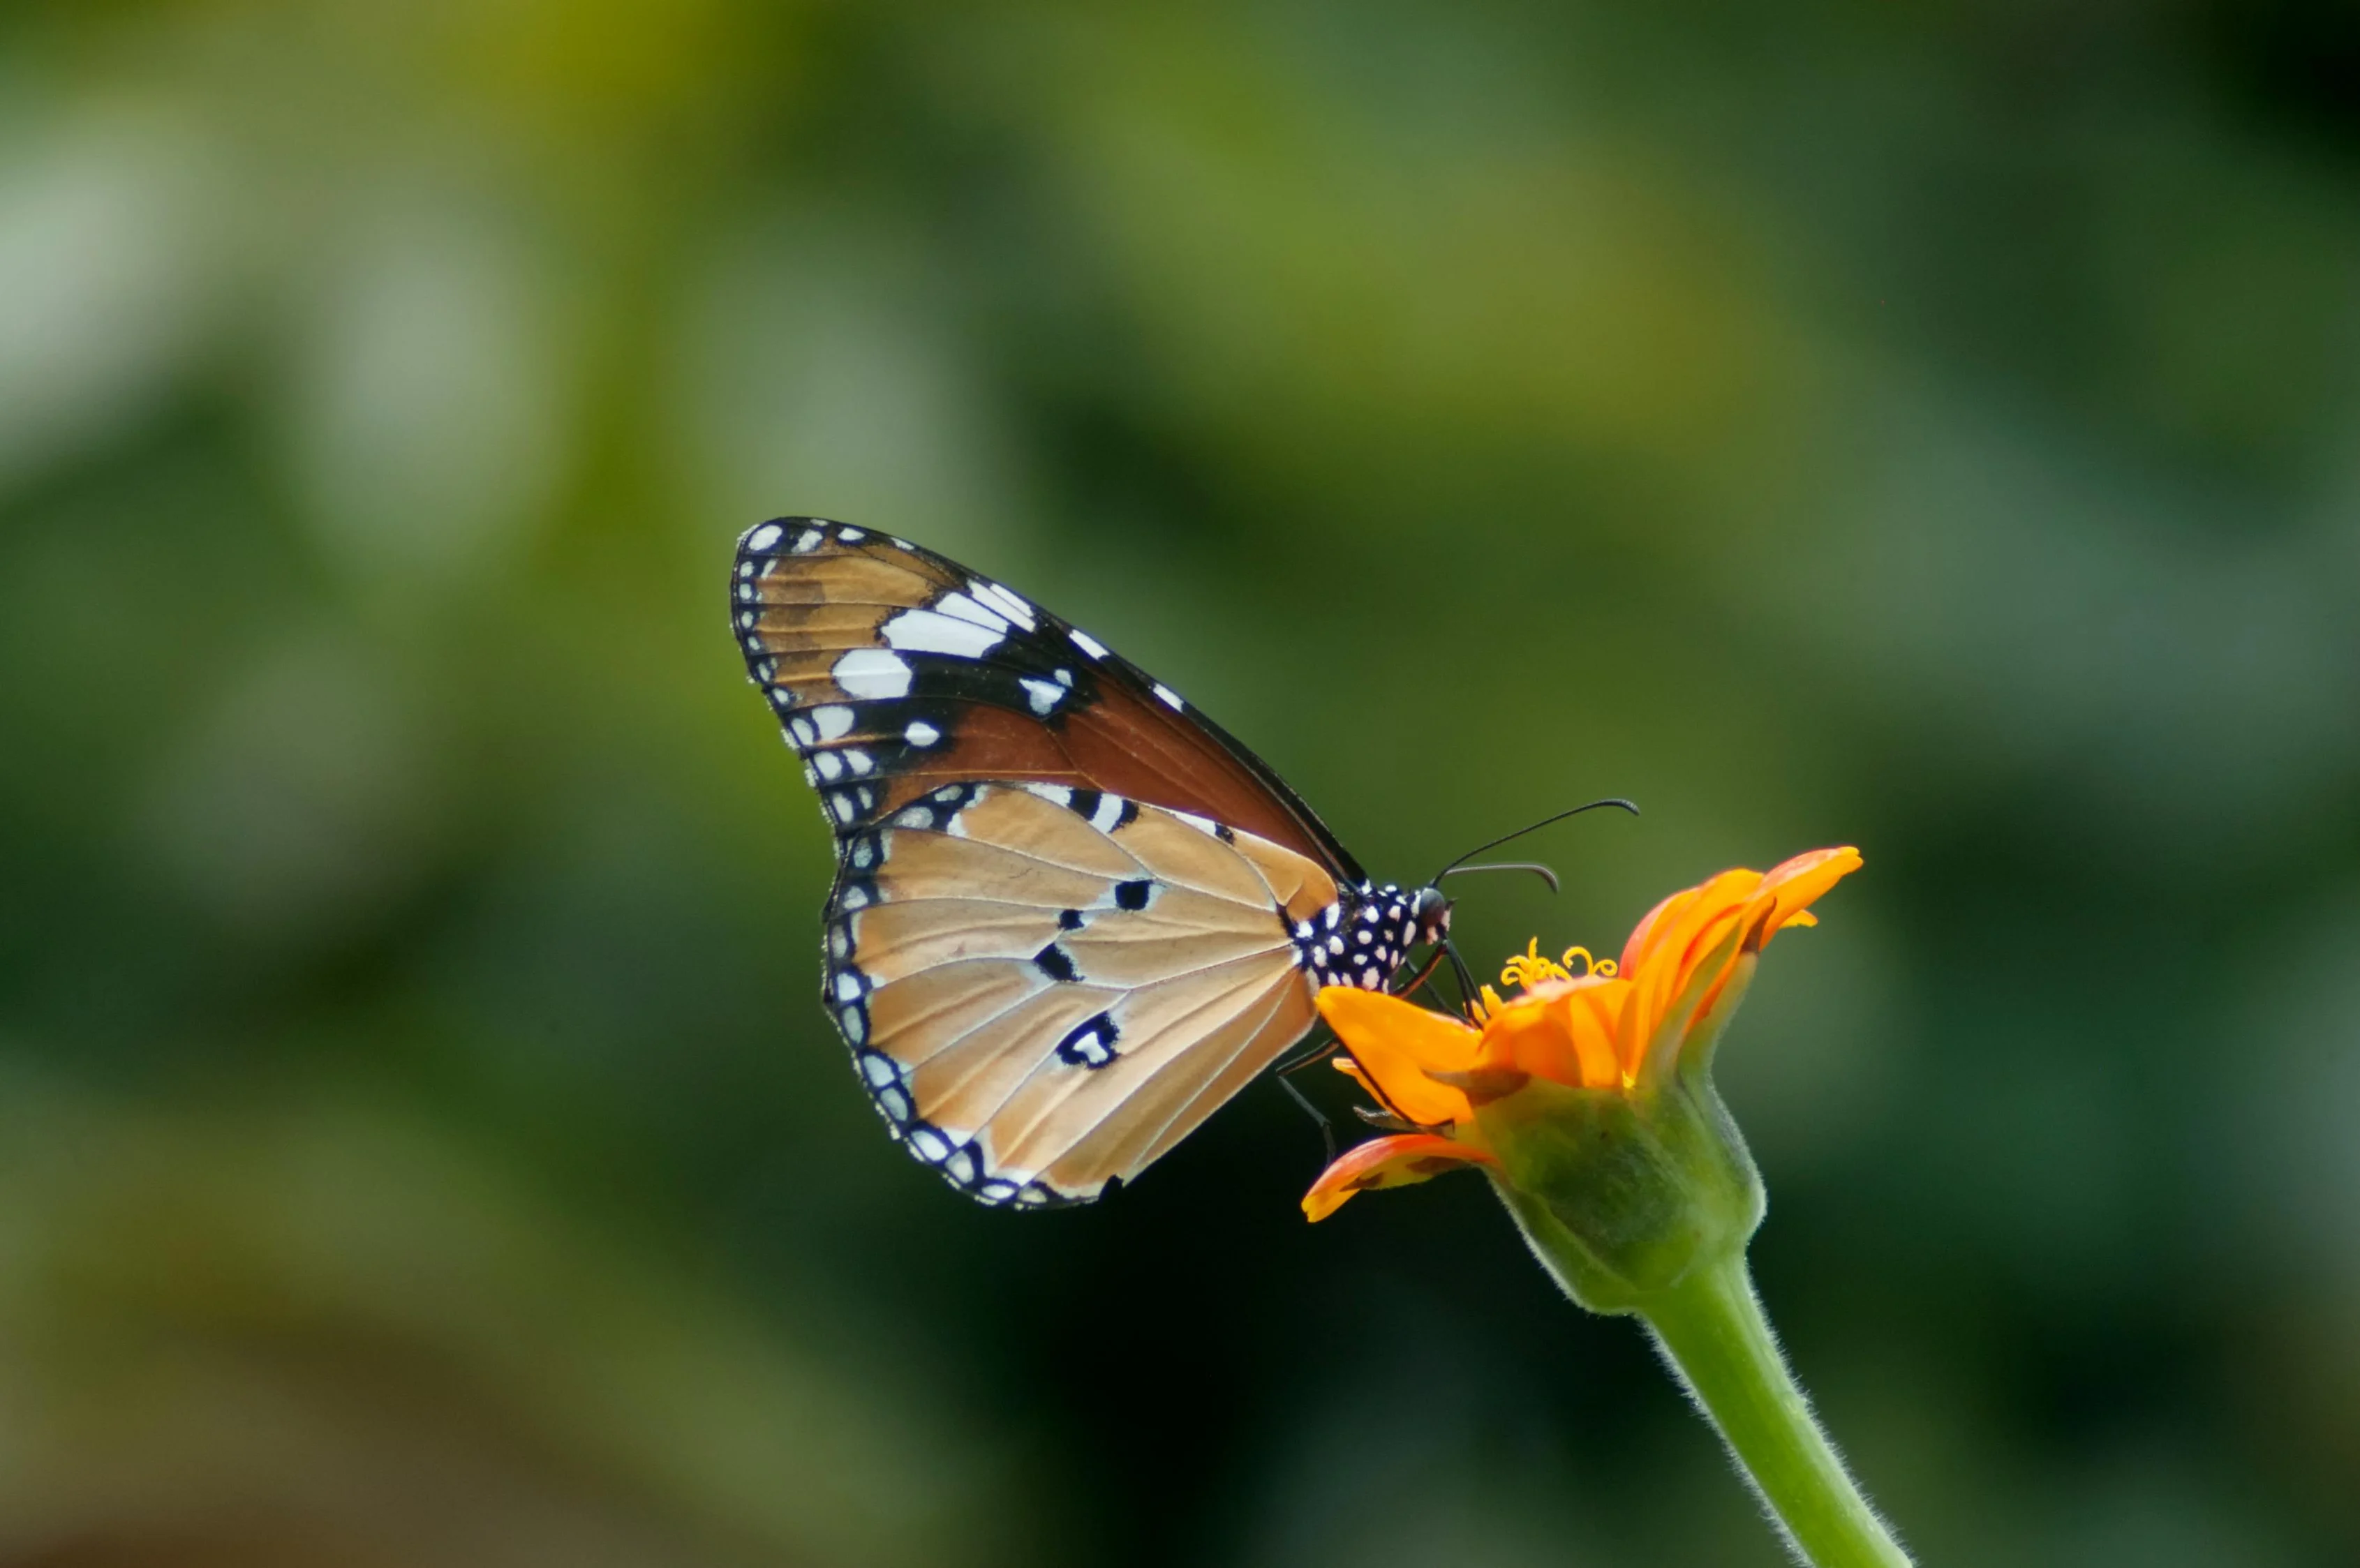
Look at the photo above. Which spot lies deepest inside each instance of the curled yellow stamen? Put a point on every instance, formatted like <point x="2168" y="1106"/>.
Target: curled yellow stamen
<point x="1528" y="968"/>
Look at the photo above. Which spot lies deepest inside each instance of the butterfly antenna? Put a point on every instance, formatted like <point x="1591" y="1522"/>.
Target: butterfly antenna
<point x="1534" y="827"/>
<point x="1534" y="866"/>
<point x="1467" y="987"/>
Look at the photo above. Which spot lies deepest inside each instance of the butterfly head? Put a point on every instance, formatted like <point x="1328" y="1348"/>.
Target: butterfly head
<point x="1431" y="911"/>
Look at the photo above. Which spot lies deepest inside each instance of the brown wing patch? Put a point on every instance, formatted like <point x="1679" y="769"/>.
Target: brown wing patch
<point x="1133" y="745"/>
<point x="854" y="576"/>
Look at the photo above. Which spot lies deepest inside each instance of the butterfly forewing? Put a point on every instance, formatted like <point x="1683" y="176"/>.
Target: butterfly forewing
<point x="1072" y="916"/>
<point x="911" y="671"/>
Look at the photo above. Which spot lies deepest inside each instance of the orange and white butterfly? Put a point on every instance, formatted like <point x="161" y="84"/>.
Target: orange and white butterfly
<point x="1072" y="917"/>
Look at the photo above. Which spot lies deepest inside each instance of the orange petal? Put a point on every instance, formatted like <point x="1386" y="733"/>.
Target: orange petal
<point x="1689" y="934"/>
<point x="1396" y="1043"/>
<point x="1793" y="887"/>
<point x="1342" y="1063"/>
<point x="1671" y="926"/>
<point x="1643" y="934"/>
<point x="1562" y="1030"/>
<point x="1381" y="1162"/>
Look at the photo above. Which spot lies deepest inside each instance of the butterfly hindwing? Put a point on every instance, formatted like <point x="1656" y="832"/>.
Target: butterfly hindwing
<point x="1046" y="988"/>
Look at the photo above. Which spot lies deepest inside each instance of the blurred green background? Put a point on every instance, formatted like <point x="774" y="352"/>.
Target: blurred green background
<point x="1935" y="427"/>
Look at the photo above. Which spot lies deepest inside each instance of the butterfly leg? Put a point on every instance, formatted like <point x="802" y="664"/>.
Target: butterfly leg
<point x="1425" y="972"/>
<point x="1320" y="1052"/>
<point x="1327" y="1127"/>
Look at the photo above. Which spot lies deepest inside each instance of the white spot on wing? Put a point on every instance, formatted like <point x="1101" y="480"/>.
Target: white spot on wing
<point x="834" y="720"/>
<point x="922" y="631"/>
<point x="762" y="537"/>
<point x="857" y="759"/>
<point x="1171" y="698"/>
<point x="1057" y="794"/>
<point x="961" y="607"/>
<point x="1109" y="813"/>
<point x="920" y="733"/>
<point x="1202" y="824"/>
<point x="1043" y="694"/>
<point x="809" y="541"/>
<point x="851" y="536"/>
<point x="829" y="765"/>
<point x="1088" y="643"/>
<point x="874" y="673"/>
<point x="1011" y="605"/>
<point x="799" y="731"/>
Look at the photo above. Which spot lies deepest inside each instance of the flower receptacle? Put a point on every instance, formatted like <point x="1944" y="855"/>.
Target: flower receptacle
<point x="1624" y="1194"/>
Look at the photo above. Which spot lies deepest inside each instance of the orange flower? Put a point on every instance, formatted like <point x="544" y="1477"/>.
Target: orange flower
<point x="1616" y="1029"/>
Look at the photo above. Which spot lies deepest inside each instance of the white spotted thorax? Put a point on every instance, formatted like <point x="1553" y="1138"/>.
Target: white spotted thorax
<point x="1364" y="936"/>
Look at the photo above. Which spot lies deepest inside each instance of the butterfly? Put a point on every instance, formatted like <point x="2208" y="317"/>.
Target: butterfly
<point x="1072" y="916"/>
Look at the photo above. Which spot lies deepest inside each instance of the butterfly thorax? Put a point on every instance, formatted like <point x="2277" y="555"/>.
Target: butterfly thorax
<point x="1361" y="938"/>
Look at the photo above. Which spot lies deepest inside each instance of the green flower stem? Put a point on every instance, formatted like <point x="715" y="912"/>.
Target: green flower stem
<point x="1711" y="1329"/>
